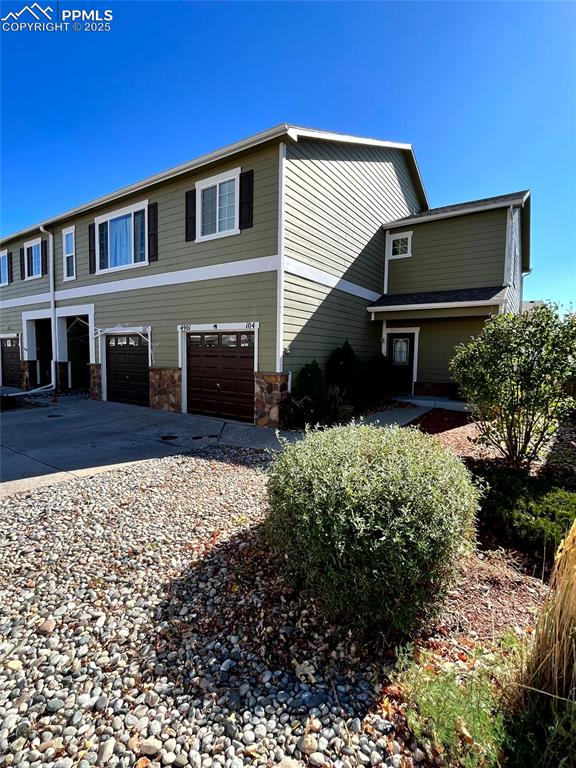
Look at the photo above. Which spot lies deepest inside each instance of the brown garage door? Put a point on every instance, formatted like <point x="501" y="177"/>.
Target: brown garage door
<point x="11" y="373"/>
<point x="127" y="375"/>
<point x="221" y="375"/>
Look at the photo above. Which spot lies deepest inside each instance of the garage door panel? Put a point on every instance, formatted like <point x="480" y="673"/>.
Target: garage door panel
<point x="127" y="374"/>
<point x="220" y="370"/>
<point x="11" y="371"/>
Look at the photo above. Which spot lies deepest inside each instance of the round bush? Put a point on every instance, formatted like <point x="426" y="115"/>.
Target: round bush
<point x="370" y="520"/>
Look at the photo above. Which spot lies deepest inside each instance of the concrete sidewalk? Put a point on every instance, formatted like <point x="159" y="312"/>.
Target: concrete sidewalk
<point x="78" y="437"/>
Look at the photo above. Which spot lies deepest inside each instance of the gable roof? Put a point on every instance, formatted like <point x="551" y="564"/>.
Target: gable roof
<point x="521" y="199"/>
<point x="490" y="296"/>
<point x="278" y="132"/>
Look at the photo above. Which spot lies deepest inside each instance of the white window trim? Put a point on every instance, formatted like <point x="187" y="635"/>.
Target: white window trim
<point x="416" y="331"/>
<point x="390" y="237"/>
<point x="211" y="182"/>
<point x="4" y="254"/>
<point x="252" y="326"/>
<point x="31" y="244"/>
<point x="69" y="230"/>
<point x="129" y="209"/>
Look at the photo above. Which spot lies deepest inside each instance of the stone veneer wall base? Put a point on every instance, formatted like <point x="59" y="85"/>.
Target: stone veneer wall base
<point x="166" y="389"/>
<point x="62" y="377"/>
<point x="269" y="390"/>
<point x="95" y="382"/>
<point x="28" y="371"/>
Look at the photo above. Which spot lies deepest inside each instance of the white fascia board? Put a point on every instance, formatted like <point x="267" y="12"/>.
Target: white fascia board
<point x="452" y="214"/>
<point x="192" y="275"/>
<point x="25" y="301"/>
<point x="296" y="133"/>
<point x="444" y="305"/>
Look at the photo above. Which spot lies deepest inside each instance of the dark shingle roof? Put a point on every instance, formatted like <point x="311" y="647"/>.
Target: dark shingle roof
<point x="514" y="198"/>
<point x="494" y="295"/>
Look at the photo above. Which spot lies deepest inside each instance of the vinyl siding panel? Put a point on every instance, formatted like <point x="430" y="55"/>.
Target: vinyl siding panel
<point x="337" y="196"/>
<point x="461" y="252"/>
<point x="319" y="319"/>
<point x="226" y="300"/>
<point x="437" y="341"/>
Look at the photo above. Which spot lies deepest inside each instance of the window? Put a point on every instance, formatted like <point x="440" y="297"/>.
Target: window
<point x="33" y="259"/>
<point x="400" y="351"/>
<point x="69" y="253"/>
<point x="217" y="205"/>
<point x="121" y="238"/>
<point x="4" y="268"/>
<point x="400" y="245"/>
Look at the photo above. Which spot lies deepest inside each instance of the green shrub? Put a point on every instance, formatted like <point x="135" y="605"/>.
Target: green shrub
<point x="376" y="378"/>
<point x="516" y="377"/>
<point x="309" y="382"/>
<point x="343" y="371"/>
<point x="528" y="512"/>
<point x="458" y="714"/>
<point x="371" y="519"/>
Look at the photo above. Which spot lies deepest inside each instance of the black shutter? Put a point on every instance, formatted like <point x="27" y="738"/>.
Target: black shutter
<point x="22" y="268"/>
<point x="10" y="268"/>
<point x="44" y="255"/>
<point x="153" y="232"/>
<point x="191" y="215"/>
<point x="103" y="245"/>
<point x="92" y="248"/>
<point x="246" y="217"/>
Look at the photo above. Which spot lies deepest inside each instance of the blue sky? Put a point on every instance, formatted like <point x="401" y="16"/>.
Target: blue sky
<point x="486" y="93"/>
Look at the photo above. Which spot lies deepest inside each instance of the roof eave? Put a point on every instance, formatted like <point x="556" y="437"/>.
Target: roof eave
<point x="412" y="220"/>
<point x="435" y="305"/>
<point x="278" y="131"/>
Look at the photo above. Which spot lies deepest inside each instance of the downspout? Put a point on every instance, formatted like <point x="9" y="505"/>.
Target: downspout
<point x="53" y="322"/>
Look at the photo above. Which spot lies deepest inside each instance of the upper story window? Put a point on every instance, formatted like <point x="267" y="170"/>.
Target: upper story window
<point x="69" y="253"/>
<point x="4" y="268"/>
<point x="217" y="205"/>
<point x="401" y="245"/>
<point x="121" y="238"/>
<point x="33" y="259"/>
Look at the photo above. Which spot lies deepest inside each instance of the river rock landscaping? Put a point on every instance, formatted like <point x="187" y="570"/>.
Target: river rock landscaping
<point x="144" y="623"/>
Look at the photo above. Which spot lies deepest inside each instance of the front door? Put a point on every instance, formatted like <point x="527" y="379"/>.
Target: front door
<point x="401" y="357"/>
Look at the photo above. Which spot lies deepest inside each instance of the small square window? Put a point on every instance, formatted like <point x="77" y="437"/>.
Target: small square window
<point x="194" y="340"/>
<point x="229" y="340"/>
<point x="400" y="246"/>
<point x="211" y="340"/>
<point x="246" y="340"/>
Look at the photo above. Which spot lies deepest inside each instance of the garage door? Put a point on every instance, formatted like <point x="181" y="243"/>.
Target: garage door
<point x="221" y="375"/>
<point x="127" y="375"/>
<point x="11" y="373"/>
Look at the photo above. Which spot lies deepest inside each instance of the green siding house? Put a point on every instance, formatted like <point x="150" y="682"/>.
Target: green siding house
<point x="207" y="287"/>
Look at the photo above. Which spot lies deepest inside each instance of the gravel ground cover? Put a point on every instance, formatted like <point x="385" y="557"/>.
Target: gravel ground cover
<point x="142" y="623"/>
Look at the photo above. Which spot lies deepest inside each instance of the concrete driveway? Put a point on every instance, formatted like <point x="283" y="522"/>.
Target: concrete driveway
<point x="77" y="437"/>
